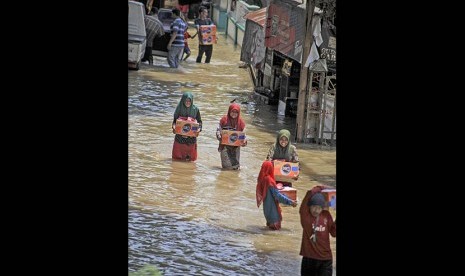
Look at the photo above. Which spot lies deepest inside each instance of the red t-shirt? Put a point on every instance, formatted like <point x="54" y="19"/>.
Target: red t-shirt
<point x="183" y="8"/>
<point x="320" y="248"/>
<point x="186" y="36"/>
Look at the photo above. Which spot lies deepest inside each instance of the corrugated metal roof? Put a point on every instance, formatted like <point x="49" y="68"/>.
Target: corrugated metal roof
<point x="258" y="16"/>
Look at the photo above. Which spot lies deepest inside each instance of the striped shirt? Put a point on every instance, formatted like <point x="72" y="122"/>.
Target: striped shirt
<point x="153" y="27"/>
<point x="179" y="27"/>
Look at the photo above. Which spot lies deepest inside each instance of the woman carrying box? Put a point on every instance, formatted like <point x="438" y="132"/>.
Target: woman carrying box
<point x="283" y="150"/>
<point x="230" y="155"/>
<point x="185" y="147"/>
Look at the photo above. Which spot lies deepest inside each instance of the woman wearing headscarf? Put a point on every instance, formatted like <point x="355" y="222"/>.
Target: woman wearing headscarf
<point x="267" y="192"/>
<point x="230" y="155"/>
<point x="283" y="150"/>
<point x="185" y="147"/>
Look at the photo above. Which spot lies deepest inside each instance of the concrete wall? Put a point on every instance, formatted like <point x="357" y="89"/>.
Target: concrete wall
<point x="232" y="29"/>
<point x="235" y="25"/>
<point x="219" y="14"/>
<point x="240" y="34"/>
<point x="224" y="4"/>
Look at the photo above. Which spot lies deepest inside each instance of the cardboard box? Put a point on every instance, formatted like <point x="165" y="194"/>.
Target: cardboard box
<point x="289" y="192"/>
<point x="187" y="127"/>
<point x="330" y="197"/>
<point x="208" y="34"/>
<point x="232" y="137"/>
<point x="285" y="171"/>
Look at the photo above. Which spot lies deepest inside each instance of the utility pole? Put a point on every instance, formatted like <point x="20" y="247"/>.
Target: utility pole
<point x="303" y="85"/>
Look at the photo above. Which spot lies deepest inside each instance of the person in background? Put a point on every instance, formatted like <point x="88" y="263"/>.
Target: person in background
<point x="187" y="50"/>
<point x="184" y="10"/>
<point x="233" y="5"/>
<point x="194" y="10"/>
<point x="283" y="150"/>
<point x="187" y="35"/>
<point x="207" y="49"/>
<point x="267" y="192"/>
<point x="176" y="44"/>
<point x="184" y="147"/>
<point x="230" y="155"/>
<point x="317" y="224"/>
<point x="153" y="28"/>
<point x="149" y="5"/>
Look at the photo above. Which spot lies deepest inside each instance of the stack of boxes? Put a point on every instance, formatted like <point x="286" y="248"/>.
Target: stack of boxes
<point x="285" y="171"/>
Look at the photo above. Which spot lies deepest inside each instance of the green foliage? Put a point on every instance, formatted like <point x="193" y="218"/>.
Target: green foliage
<point x="328" y="7"/>
<point x="147" y="270"/>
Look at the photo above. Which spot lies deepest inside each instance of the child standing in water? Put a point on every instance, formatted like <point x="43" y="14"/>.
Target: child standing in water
<point x="267" y="192"/>
<point x="187" y="50"/>
<point x="317" y="224"/>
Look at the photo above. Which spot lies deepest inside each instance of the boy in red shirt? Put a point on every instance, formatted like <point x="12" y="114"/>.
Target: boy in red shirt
<point x="187" y="50"/>
<point x="317" y="224"/>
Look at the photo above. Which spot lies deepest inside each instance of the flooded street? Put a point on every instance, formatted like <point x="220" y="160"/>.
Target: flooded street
<point x="195" y="218"/>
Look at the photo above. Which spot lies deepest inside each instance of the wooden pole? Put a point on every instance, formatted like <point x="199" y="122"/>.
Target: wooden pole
<point x="308" y="38"/>
<point x="252" y="75"/>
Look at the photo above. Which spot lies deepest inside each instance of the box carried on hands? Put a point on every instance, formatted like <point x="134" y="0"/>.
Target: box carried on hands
<point x="187" y="127"/>
<point x="330" y="197"/>
<point x="232" y="137"/>
<point x="208" y="34"/>
<point x="290" y="192"/>
<point x="285" y="171"/>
